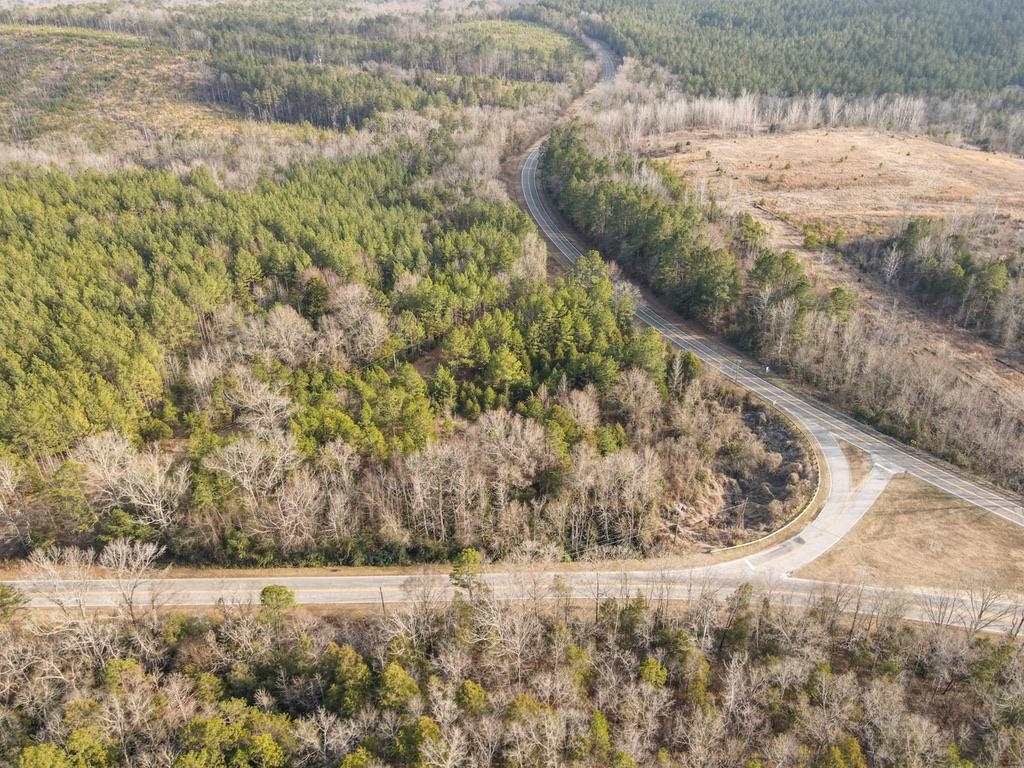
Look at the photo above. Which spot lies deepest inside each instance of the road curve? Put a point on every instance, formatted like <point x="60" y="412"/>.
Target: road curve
<point x="823" y="423"/>
<point x="772" y="567"/>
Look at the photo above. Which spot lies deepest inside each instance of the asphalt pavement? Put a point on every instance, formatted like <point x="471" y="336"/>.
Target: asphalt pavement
<point x="772" y="567"/>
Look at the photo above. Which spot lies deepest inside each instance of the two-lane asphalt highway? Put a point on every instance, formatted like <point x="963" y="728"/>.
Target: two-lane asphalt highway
<point x="821" y="422"/>
<point x="773" y="566"/>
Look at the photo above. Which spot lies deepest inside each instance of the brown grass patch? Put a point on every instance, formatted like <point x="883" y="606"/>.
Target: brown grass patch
<point x="917" y="535"/>
<point x="860" y="462"/>
<point x="860" y="178"/>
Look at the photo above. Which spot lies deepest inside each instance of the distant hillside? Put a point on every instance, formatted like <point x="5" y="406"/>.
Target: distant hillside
<point x="931" y="47"/>
<point x="100" y="87"/>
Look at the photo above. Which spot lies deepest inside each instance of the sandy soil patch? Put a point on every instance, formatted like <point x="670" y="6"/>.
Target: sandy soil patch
<point x="916" y="535"/>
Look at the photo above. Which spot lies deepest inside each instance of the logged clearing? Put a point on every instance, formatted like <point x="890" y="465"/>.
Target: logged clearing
<point x="916" y="535"/>
<point x="97" y="86"/>
<point x="865" y="182"/>
<point x="80" y="98"/>
<point x="862" y="180"/>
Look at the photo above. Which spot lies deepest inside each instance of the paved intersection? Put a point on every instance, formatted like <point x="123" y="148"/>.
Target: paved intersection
<point x="773" y="566"/>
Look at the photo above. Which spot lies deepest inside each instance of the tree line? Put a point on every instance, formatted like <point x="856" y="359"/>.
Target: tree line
<point x="623" y="677"/>
<point x="647" y="101"/>
<point x="437" y="40"/>
<point x="657" y="237"/>
<point x="726" y="47"/>
<point x="764" y="301"/>
<point x="333" y="97"/>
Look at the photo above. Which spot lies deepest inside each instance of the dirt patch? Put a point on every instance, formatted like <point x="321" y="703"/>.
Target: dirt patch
<point x="860" y="462"/>
<point x="916" y="535"/>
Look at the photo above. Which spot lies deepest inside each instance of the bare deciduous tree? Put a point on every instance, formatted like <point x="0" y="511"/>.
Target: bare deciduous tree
<point x="256" y="465"/>
<point x="533" y="263"/>
<point x="892" y="263"/>
<point x="203" y="372"/>
<point x="115" y="475"/>
<point x="639" y="401"/>
<point x="62" y="576"/>
<point x="283" y="334"/>
<point x="353" y="328"/>
<point x="294" y="520"/>
<point x="130" y="562"/>
<point x="263" y="408"/>
<point x="337" y="467"/>
<point x="13" y="518"/>
<point x="583" y="407"/>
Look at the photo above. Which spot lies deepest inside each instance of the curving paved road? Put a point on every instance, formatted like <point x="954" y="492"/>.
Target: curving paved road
<point x="824" y="424"/>
<point x="772" y="567"/>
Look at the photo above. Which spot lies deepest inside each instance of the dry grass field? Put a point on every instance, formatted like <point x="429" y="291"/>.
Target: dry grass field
<point x="868" y="183"/>
<point x="916" y="535"/>
<point x="862" y="180"/>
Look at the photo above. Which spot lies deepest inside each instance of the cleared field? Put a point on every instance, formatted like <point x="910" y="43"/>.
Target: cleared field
<point x="916" y="535"/>
<point x="78" y="98"/>
<point x="860" y="179"/>
<point x="97" y="86"/>
<point x="867" y="183"/>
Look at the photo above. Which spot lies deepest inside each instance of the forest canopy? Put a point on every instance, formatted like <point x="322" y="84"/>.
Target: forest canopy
<point x="846" y="47"/>
<point x="354" y="363"/>
<point x="623" y="679"/>
<point x="104" y="277"/>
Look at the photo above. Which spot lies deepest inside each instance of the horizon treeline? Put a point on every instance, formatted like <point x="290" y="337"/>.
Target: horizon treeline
<point x="843" y="47"/>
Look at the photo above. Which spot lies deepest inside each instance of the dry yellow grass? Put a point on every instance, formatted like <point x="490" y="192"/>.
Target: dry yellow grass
<point x="865" y="182"/>
<point x="859" y="178"/>
<point x="916" y="535"/>
<point x="860" y="462"/>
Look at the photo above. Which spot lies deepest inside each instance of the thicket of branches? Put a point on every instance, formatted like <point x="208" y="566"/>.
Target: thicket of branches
<point x="646" y="100"/>
<point x="618" y="678"/>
